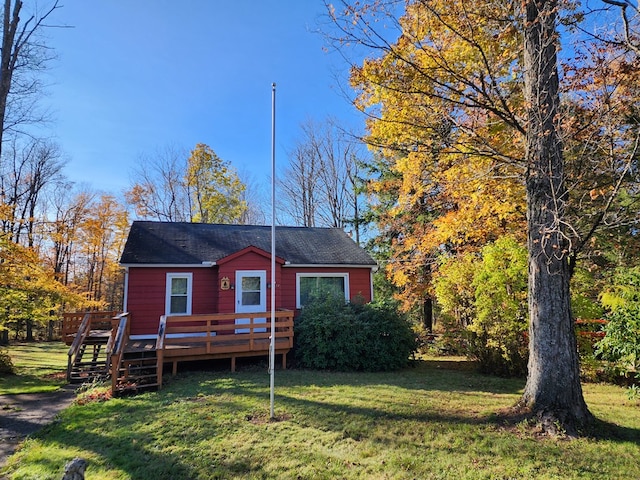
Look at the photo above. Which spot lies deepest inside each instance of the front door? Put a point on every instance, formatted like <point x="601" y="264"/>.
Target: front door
<point x="251" y="296"/>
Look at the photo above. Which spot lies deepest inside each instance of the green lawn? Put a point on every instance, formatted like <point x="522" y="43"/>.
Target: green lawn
<point x="40" y="367"/>
<point x="432" y="421"/>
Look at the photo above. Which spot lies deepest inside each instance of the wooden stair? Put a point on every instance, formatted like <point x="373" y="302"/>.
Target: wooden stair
<point x="137" y="371"/>
<point x="91" y="361"/>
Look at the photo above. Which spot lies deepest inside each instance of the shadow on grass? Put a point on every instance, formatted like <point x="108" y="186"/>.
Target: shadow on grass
<point x="450" y="376"/>
<point x="602" y="430"/>
<point x="39" y="367"/>
<point x="127" y="442"/>
<point x="460" y="365"/>
<point x="431" y="377"/>
<point x="131" y="447"/>
<point x="433" y="374"/>
<point x="130" y="450"/>
<point x="16" y="384"/>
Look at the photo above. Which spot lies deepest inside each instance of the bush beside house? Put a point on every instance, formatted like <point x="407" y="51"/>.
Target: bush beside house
<point x="332" y="335"/>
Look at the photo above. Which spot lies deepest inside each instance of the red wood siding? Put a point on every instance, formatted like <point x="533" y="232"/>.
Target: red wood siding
<point x="248" y="261"/>
<point x="146" y="295"/>
<point x="147" y="288"/>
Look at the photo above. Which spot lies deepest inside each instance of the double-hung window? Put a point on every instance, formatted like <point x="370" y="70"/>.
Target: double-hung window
<point x="178" y="299"/>
<point x="309" y="285"/>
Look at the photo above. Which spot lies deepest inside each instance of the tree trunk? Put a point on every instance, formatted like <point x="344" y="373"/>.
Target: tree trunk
<point x="29" y="330"/>
<point x="427" y="310"/>
<point x="8" y="57"/>
<point x="50" y="330"/>
<point x="19" y="52"/>
<point x="553" y="392"/>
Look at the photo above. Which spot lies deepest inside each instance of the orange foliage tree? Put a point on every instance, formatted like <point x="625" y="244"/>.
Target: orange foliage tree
<point x="479" y="127"/>
<point x="449" y="138"/>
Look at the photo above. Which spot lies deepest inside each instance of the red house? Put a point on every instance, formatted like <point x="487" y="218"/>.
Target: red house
<point x="177" y="268"/>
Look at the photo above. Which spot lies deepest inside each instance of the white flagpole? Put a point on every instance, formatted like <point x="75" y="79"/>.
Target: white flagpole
<point x="272" y="348"/>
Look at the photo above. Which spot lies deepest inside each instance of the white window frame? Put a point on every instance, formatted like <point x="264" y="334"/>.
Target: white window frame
<point x="167" y="305"/>
<point x="343" y="275"/>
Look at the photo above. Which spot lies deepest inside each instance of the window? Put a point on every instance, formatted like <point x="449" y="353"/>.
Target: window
<point x="178" y="294"/>
<point x="251" y="291"/>
<point x="309" y="284"/>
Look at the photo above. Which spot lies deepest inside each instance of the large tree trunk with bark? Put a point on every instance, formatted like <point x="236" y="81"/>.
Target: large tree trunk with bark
<point x="553" y="392"/>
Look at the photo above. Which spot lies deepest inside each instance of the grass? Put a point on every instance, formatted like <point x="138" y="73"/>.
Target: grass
<point x="433" y="421"/>
<point x="40" y="367"/>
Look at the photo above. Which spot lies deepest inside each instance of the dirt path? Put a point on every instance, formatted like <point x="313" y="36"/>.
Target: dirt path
<point x="22" y="415"/>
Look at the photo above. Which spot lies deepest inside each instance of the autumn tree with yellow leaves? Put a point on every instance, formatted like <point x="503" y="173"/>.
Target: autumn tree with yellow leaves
<point x="215" y="190"/>
<point x="29" y="292"/>
<point x="201" y="187"/>
<point x="42" y="234"/>
<point x="487" y="135"/>
<point x="68" y="261"/>
<point x="421" y="125"/>
<point x="100" y="239"/>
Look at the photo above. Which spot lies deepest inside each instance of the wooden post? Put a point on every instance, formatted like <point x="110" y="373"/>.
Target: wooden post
<point x="159" y="366"/>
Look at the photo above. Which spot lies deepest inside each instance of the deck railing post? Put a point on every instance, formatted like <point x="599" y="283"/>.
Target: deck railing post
<point x="118" y="347"/>
<point x="162" y="330"/>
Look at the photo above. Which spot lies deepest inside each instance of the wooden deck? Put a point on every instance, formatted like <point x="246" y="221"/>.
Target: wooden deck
<point x="199" y="337"/>
<point x="138" y="363"/>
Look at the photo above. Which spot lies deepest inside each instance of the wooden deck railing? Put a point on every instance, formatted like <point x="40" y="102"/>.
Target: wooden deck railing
<point x="119" y="338"/>
<point x="591" y="328"/>
<point x="195" y="337"/>
<point x="91" y="321"/>
<point x="71" y="323"/>
<point x="80" y="334"/>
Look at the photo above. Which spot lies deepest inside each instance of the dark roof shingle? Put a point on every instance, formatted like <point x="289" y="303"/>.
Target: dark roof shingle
<point x="177" y="243"/>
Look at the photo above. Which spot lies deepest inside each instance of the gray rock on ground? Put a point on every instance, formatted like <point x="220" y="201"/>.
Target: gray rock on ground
<point x="74" y="470"/>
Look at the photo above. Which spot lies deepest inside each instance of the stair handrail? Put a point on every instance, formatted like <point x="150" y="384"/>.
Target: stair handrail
<point x="119" y="342"/>
<point x="78" y="340"/>
<point x="116" y="321"/>
<point x="162" y="329"/>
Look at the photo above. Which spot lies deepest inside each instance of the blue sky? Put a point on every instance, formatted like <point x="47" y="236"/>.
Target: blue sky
<point x="133" y="77"/>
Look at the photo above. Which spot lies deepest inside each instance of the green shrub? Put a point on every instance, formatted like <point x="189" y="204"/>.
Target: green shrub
<point x="623" y="289"/>
<point x="621" y="343"/>
<point x="484" y="312"/>
<point x="454" y="289"/>
<point x="332" y="335"/>
<point x="585" y="290"/>
<point x="588" y="333"/>
<point x="497" y="338"/>
<point x="486" y="297"/>
<point x="6" y="365"/>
